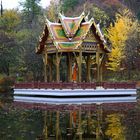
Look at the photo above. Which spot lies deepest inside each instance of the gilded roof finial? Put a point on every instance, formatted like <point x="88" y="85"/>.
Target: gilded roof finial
<point x="87" y="17"/>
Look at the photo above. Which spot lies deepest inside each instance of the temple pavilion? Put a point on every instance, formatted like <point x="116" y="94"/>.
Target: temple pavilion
<point x="78" y="40"/>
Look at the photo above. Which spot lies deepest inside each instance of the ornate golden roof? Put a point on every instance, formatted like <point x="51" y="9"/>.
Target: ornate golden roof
<point x="69" y="33"/>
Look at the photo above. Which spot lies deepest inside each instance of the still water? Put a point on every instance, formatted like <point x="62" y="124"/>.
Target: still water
<point x="26" y="121"/>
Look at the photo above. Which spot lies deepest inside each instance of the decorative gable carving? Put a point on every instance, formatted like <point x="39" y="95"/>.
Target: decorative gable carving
<point x="90" y="37"/>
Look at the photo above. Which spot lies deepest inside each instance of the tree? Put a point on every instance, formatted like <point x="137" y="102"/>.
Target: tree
<point x="27" y="38"/>
<point x="29" y="62"/>
<point x="8" y="25"/>
<point x="133" y="5"/>
<point x="118" y="35"/>
<point x="99" y="15"/>
<point x="109" y="6"/>
<point x="53" y="10"/>
<point x="9" y="20"/>
<point x="68" y="5"/>
<point x="31" y="9"/>
<point x="138" y="15"/>
<point x="132" y="51"/>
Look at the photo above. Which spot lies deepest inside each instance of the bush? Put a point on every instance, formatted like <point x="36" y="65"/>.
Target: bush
<point x="6" y="84"/>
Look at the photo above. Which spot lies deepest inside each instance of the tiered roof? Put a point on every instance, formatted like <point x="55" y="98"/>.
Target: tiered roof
<point x="69" y="33"/>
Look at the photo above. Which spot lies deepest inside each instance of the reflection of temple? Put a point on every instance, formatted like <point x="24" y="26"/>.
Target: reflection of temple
<point x="73" y="125"/>
<point x="73" y="40"/>
<point x="80" y="124"/>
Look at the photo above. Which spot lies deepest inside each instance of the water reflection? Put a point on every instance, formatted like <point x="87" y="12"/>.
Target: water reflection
<point x="22" y="121"/>
<point x="115" y="129"/>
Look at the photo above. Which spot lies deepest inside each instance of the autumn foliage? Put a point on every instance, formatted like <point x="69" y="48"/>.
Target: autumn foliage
<point x="118" y="34"/>
<point x="6" y="84"/>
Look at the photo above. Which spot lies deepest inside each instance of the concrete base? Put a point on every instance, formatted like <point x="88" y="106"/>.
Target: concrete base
<point x="76" y="96"/>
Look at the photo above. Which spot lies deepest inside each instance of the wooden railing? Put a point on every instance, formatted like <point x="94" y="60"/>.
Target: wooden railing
<point x="117" y="85"/>
<point x="106" y="85"/>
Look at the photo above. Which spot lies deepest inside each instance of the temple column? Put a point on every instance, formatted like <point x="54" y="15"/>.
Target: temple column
<point x="98" y="63"/>
<point x="50" y="72"/>
<point x="88" y="69"/>
<point x="45" y="72"/>
<point x="69" y="68"/>
<point x="45" y="61"/>
<point x="101" y="67"/>
<point x="79" y="66"/>
<point x="101" y="73"/>
<point x="57" y="67"/>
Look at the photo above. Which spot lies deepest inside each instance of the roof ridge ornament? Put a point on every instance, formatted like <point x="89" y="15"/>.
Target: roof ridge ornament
<point x="61" y="16"/>
<point x="91" y="20"/>
<point x="48" y="22"/>
<point x="87" y="16"/>
<point x="83" y="14"/>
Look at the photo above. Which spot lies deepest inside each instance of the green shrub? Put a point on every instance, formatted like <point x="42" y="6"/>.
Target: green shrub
<point x="20" y="79"/>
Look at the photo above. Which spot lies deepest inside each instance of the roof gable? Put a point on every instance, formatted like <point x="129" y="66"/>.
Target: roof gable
<point x="83" y="30"/>
<point x="57" y="32"/>
<point x="71" y="25"/>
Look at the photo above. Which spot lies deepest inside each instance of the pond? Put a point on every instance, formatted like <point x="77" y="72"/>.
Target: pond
<point x="32" y="121"/>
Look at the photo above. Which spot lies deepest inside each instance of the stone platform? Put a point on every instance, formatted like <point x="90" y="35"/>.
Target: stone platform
<point x="75" y="96"/>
